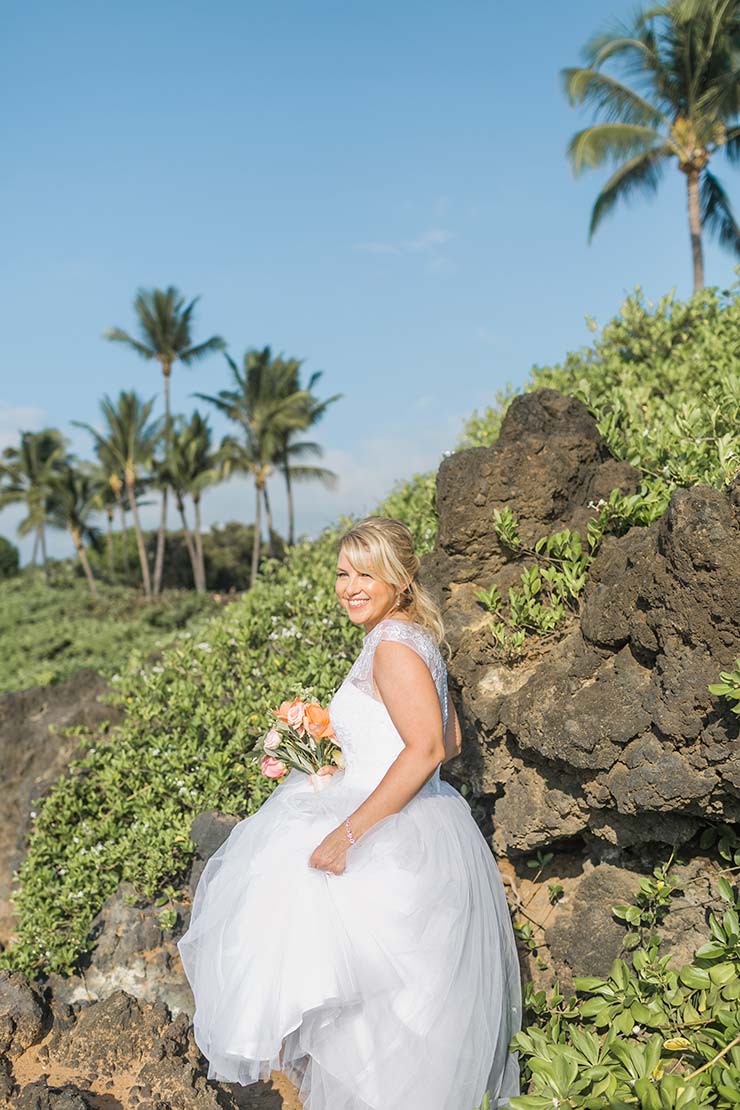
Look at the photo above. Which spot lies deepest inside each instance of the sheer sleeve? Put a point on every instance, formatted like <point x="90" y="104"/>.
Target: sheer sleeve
<point x="415" y="637"/>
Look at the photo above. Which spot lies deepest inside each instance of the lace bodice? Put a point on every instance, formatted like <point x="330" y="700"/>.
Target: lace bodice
<point x="370" y="741"/>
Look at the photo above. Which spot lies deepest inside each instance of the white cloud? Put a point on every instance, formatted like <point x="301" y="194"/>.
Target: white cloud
<point x="15" y="419"/>
<point x="427" y="241"/>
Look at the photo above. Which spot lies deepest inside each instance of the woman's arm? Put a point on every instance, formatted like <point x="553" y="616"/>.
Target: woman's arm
<point x="407" y="688"/>
<point x="410" y="696"/>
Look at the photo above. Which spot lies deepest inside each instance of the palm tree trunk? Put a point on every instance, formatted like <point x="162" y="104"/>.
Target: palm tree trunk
<point x="159" y="558"/>
<point x="146" y="580"/>
<point x="268" y="518"/>
<point x="199" y="545"/>
<point x="291" y="509"/>
<point x="124" y="534"/>
<point x="257" y="530"/>
<point x="42" y="540"/>
<point x="188" y="541"/>
<point x="35" y="551"/>
<point x="111" y="566"/>
<point x="84" y="560"/>
<point x="697" y="254"/>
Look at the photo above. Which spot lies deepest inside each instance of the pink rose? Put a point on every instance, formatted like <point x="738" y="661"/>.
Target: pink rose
<point x="272" y="740"/>
<point x="272" y="768"/>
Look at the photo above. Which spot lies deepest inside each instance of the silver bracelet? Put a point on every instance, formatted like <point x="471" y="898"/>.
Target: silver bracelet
<point x="349" y="831"/>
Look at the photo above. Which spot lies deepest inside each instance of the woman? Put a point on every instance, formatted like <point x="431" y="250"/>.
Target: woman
<point x="357" y="937"/>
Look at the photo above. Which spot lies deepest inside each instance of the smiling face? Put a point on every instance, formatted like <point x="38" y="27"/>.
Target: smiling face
<point x="364" y="597"/>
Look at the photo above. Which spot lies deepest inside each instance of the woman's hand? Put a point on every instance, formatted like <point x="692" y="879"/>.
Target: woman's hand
<point x="327" y="769"/>
<point x="331" y="853"/>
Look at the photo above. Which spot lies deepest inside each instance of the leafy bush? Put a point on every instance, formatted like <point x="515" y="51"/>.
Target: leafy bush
<point x="125" y="809"/>
<point x="227" y="556"/>
<point x="663" y="383"/>
<point x="49" y="631"/>
<point x="9" y="558"/>
<point x="729" y="687"/>
<point x="650" y="1035"/>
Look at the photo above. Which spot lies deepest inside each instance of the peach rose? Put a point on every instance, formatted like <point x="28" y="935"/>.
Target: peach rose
<point x="318" y="723"/>
<point x="272" y="768"/>
<point x="293" y="712"/>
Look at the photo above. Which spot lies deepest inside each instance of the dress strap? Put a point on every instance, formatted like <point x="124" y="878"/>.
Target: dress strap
<point x="411" y="634"/>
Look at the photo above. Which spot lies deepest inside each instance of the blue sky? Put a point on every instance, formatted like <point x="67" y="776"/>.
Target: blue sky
<point x="380" y="189"/>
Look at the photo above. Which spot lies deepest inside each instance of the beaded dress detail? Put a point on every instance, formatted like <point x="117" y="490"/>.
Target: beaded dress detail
<point x="393" y="986"/>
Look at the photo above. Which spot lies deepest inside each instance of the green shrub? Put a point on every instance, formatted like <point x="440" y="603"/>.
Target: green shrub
<point x="664" y="385"/>
<point x="50" y="630"/>
<point x="227" y="557"/>
<point x="9" y="558"/>
<point x="650" y="1034"/>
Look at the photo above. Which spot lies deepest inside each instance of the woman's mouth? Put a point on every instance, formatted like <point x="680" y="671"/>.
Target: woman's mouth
<point x="358" y="603"/>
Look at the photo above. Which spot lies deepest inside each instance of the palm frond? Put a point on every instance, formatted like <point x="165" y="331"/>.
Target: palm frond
<point x="610" y="141"/>
<point x="118" y="335"/>
<point x="716" y="213"/>
<point x="641" y="173"/>
<point x="610" y="98"/>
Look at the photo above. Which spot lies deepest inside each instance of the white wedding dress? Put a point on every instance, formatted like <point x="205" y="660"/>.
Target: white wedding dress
<point x="393" y="986"/>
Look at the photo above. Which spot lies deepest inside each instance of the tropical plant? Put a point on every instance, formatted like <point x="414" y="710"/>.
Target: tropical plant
<point x="189" y="466"/>
<point x="164" y="322"/>
<point x="130" y="440"/>
<point x="25" y="474"/>
<point x="264" y="407"/>
<point x="73" y="497"/>
<point x="9" y="558"/>
<point x="683" y="57"/>
<point x="290" y="451"/>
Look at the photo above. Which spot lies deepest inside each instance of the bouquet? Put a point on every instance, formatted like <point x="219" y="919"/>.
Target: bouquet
<point x="301" y="739"/>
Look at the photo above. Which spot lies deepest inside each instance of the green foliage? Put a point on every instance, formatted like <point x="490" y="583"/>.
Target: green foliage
<point x="649" y="1035"/>
<point x="227" y="554"/>
<point x="9" y="559"/>
<point x="547" y="591"/>
<point x="49" y="631"/>
<point x="729" y="687"/>
<point x="662" y="381"/>
<point x="415" y="503"/>
<point x="125" y="809"/>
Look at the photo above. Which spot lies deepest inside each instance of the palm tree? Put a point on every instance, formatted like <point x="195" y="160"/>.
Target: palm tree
<point x="73" y="497"/>
<point x="164" y="323"/>
<point x="683" y="56"/>
<point x="263" y="408"/>
<point x="190" y="466"/>
<point x="290" y="449"/>
<point x="129" y="441"/>
<point x="106" y="502"/>
<point x="26" y="472"/>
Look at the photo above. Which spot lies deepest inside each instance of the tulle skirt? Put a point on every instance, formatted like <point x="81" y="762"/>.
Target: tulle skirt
<point x="393" y="986"/>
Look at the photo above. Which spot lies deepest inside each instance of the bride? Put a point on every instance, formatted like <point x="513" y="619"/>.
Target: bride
<point x="357" y="937"/>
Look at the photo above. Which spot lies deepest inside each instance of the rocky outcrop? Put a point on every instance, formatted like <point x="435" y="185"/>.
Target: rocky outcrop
<point x="609" y="733"/>
<point x="121" y="1052"/>
<point x="132" y="950"/>
<point x="34" y="752"/>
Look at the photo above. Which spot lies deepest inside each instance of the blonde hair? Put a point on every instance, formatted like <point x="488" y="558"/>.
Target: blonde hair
<point x="384" y="547"/>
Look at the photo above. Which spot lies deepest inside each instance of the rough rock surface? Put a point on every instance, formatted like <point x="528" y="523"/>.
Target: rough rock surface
<point x="610" y="734"/>
<point x="32" y="757"/>
<point x="122" y="1052"/>
<point x="23" y="1014"/>
<point x="132" y="952"/>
